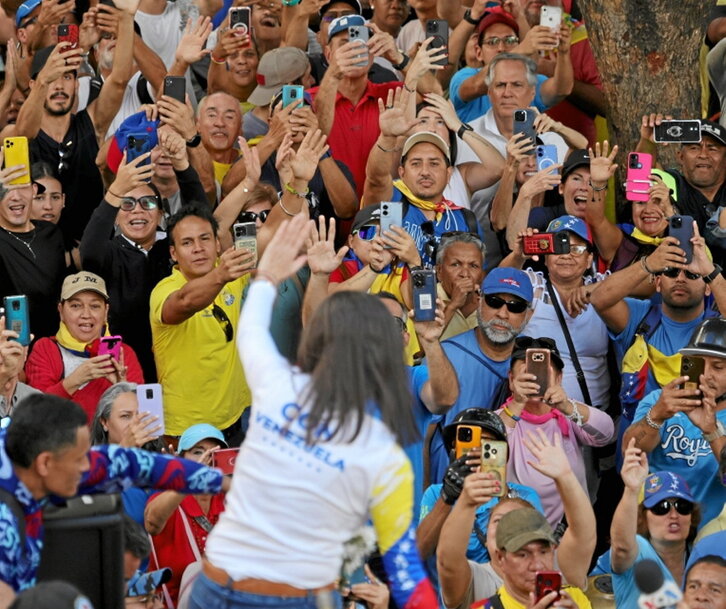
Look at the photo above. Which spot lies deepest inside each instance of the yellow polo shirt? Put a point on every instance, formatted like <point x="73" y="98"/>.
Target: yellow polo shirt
<point x="458" y="324"/>
<point x="577" y="595"/>
<point x="199" y="370"/>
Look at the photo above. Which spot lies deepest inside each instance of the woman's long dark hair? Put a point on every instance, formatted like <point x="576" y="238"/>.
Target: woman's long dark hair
<point x="453" y="146"/>
<point x="353" y="352"/>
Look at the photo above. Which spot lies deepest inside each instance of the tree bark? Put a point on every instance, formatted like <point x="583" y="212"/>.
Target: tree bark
<point x="647" y="53"/>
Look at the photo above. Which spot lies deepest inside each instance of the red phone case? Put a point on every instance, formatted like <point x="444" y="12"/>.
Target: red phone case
<point x="71" y="36"/>
<point x="225" y="459"/>
<point x="546" y="582"/>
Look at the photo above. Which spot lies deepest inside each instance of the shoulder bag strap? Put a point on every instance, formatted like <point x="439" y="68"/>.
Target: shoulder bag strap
<point x="165" y="590"/>
<point x="480" y="359"/>
<point x="190" y="535"/>
<point x="570" y="346"/>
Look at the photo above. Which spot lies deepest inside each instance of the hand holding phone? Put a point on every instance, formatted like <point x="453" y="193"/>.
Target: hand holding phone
<point x="110" y="345"/>
<point x="467" y="438"/>
<point x="546" y="243"/>
<point x="225" y="460"/>
<point x="537" y="362"/>
<point x="546" y="582"/>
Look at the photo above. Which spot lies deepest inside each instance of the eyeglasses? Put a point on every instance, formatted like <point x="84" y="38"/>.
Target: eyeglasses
<point x="63" y="152"/>
<point x="513" y="306"/>
<point x="147" y="202"/>
<point x="367" y="233"/>
<point x="149" y="599"/>
<point x="578" y="250"/>
<point x="108" y="36"/>
<point x="662" y="508"/>
<point x="221" y="317"/>
<point x="672" y="273"/>
<point x="330" y="15"/>
<point x="251" y="216"/>
<point x="30" y="21"/>
<point x="495" y="41"/>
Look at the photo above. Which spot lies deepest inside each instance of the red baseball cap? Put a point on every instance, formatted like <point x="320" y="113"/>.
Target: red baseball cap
<point x="497" y="15"/>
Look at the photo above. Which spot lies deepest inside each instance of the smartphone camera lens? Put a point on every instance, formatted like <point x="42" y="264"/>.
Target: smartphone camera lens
<point x="487" y="455"/>
<point x="419" y="282"/>
<point x="464" y="434"/>
<point x="16" y="305"/>
<point x="149" y="394"/>
<point x="634" y="162"/>
<point x="676" y="223"/>
<point x="519" y="116"/>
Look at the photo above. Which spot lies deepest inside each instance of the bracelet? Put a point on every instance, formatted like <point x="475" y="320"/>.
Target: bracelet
<point x="598" y="189"/>
<point x="110" y="192"/>
<point x="282" y="207"/>
<point x="511" y="415"/>
<point x="265" y="276"/>
<point x="215" y="60"/>
<point x="575" y="415"/>
<point x="651" y="422"/>
<point x="405" y="86"/>
<point x="387" y="149"/>
<point x="645" y="266"/>
<point x="292" y="191"/>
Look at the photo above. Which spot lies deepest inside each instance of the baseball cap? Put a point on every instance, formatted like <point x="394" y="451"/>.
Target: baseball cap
<point x="134" y="124"/>
<point x="354" y="4"/>
<point x="277" y="67"/>
<point x="52" y="595"/>
<point x="576" y="158"/>
<point x="429" y="137"/>
<point x="341" y="24"/>
<point x="503" y="280"/>
<point x="141" y="584"/>
<point x="571" y="224"/>
<point x="713" y="130"/>
<point x="497" y="15"/>
<point x="665" y="485"/>
<point x="522" y="526"/>
<point x="370" y="213"/>
<point x="522" y="343"/>
<point x="83" y="282"/>
<point x="25" y="9"/>
<point x="196" y="433"/>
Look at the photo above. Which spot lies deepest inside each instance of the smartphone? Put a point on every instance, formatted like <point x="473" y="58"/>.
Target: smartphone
<point x="239" y="18"/>
<point x="494" y="460"/>
<point x="360" y="32"/>
<point x="245" y="236"/>
<point x="439" y="30"/>
<point x="224" y="459"/>
<point x="538" y="363"/>
<point x="136" y="145"/>
<point x="391" y="215"/>
<point x="546" y="582"/>
<point x="292" y="94"/>
<point x="424" y="294"/>
<point x="112" y="345"/>
<point x="17" y="153"/>
<point x="175" y="87"/>
<point x="467" y="437"/>
<point x="682" y="132"/>
<point x="68" y="32"/>
<point x="692" y="366"/>
<point x="546" y="155"/>
<point x="524" y="123"/>
<point x="551" y="17"/>
<point x="637" y="178"/>
<point x="681" y="227"/>
<point x="17" y="318"/>
<point x="151" y="400"/>
<point x="546" y="243"/>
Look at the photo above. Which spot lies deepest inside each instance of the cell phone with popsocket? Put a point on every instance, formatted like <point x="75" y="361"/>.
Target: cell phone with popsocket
<point x="546" y="156"/>
<point x="438" y="29"/>
<point x="110" y="345"/>
<point x="225" y="459"/>
<point x="637" y="177"/>
<point x="678" y="132"/>
<point x="546" y="243"/>
<point x="546" y="582"/>
<point x="537" y="362"/>
<point x="68" y="32"/>
<point x="239" y="19"/>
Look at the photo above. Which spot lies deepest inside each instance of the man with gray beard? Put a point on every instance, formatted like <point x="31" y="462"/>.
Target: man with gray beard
<point x="481" y="356"/>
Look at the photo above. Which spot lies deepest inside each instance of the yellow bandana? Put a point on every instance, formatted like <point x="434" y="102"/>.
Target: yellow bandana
<point x="439" y="208"/>
<point x="68" y="341"/>
<point x="641" y="237"/>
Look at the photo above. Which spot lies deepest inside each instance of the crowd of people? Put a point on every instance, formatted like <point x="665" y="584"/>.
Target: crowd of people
<point x="242" y="198"/>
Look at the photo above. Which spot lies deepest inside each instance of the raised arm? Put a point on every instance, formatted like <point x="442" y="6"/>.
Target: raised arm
<point x="517" y="148"/>
<point x="559" y="86"/>
<point x="191" y="46"/>
<point x="606" y="235"/>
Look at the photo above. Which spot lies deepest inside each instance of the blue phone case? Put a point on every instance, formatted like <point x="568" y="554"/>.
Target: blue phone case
<point x="546" y="157"/>
<point x="292" y="94"/>
<point x="424" y="295"/>
<point x="17" y="318"/>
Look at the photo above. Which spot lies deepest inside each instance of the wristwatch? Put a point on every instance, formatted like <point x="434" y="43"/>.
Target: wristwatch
<point x="463" y="129"/>
<point x="468" y="18"/>
<point x="404" y="61"/>
<point x="719" y="433"/>
<point x="713" y="274"/>
<point x="195" y="141"/>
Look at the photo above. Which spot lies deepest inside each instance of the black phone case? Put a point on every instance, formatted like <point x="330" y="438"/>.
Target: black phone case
<point x="175" y="87"/>
<point x="681" y="227"/>
<point x="439" y="29"/>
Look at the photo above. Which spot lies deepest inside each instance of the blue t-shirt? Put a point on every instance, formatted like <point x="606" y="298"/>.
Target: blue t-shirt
<point x="479" y="106"/>
<point x="478" y="386"/>
<point x="422" y="417"/>
<point x="477" y="551"/>
<point x="683" y="450"/>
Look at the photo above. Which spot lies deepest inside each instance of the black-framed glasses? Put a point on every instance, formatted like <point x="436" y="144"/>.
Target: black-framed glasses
<point x="63" y="152"/>
<point x="672" y="273"/>
<point x="147" y="202"/>
<point x="400" y="323"/>
<point x="495" y="41"/>
<point x="221" y="317"/>
<point x="513" y="306"/>
<point x="251" y="216"/>
<point x="367" y="232"/>
<point x="683" y="507"/>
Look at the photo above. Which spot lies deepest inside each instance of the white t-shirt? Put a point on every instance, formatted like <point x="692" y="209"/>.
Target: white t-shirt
<point x="292" y="506"/>
<point x="129" y="104"/>
<point x="457" y="191"/>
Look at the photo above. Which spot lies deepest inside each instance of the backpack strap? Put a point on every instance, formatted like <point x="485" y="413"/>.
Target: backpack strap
<point x="143" y="91"/>
<point x="12" y="502"/>
<point x="479" y="358"/>
<point x="650" y="322"/>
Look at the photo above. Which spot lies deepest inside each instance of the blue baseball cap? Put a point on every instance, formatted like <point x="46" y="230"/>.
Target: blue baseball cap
<point x="142" y="584"/>
<point x="196" y="433"/>
<point x="341" y="24"/>
<point x="665" y="485"/>
<point x="25" y="9"/>
<point x="572" y="224"/>
<point x="503" y="280"/>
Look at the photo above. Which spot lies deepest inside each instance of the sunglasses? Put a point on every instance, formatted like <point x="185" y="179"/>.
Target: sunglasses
<point x="63" y="152"/>
<point x="683" y="507"/>
<point x="673" y="273"/>
<point x="367" y="233"/>
<point x="251" y="216"/>
<point x="578" y="250"/>
<point x="495" y="41"/>
<point x="221" y="317"/>
<point x="147" y="202"/>
<point x="528" y="342"/>
<point x="513" y="306"/>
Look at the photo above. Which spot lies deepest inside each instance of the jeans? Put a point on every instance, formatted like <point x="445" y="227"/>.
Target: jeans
<point x="207" y="594"/>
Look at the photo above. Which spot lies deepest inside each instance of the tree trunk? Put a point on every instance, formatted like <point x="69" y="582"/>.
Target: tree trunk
<point x="647" y="53"/>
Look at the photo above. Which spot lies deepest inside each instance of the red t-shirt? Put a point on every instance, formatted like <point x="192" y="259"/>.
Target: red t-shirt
<point x="355" y="128"/>
<point x="172" y="544"/>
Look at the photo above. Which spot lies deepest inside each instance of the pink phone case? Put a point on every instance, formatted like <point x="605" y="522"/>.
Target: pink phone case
<point x="112" y="345"/>
<point x="637" y="180"/>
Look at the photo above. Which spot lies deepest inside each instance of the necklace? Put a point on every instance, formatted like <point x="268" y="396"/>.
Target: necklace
<point x="27" y="244"/>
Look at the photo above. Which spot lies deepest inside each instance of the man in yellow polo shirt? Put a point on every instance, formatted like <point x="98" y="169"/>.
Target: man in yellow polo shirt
<point x="194" y="316"/>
